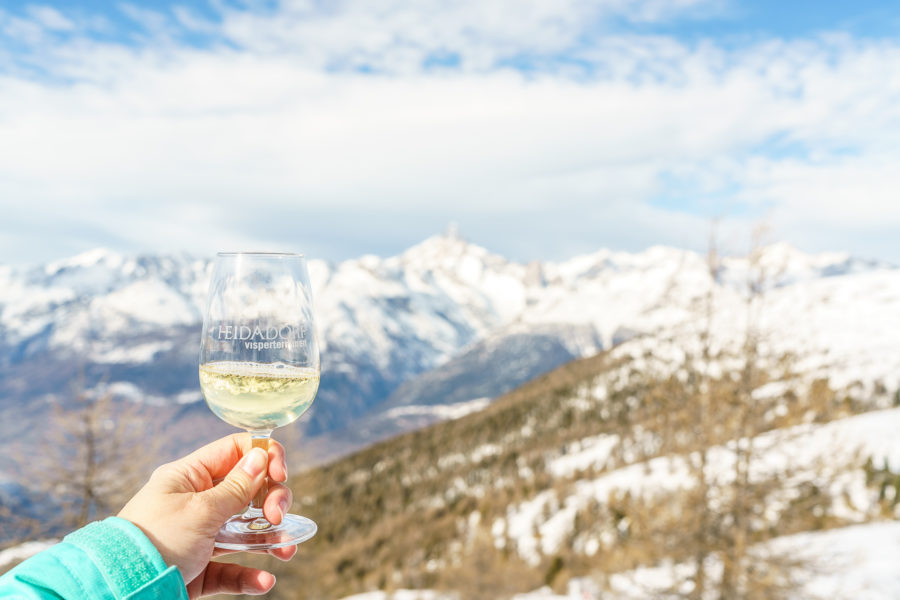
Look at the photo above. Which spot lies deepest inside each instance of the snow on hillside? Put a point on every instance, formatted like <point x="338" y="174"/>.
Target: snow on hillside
<point x="820" y="454"/>
<point x="840" y="327"/>
<point x="849" y="563"/>
<point x="444" y="412"/>
<point x="404" y="595"/>
<point x="16" y="554"/>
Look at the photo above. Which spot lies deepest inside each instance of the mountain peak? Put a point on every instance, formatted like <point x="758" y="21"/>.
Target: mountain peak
<point x="452" y="231"/>
<point x="447" y="245"/>
<point x="86" y="259"/>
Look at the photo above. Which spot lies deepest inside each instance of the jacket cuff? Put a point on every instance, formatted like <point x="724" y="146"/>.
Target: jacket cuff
<point x="128" y="561"/>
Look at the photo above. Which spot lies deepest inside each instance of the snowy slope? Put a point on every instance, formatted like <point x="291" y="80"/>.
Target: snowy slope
<point x="854" y="563"/>
<point x="851" y="563"/>
<point x="797" y="455"/>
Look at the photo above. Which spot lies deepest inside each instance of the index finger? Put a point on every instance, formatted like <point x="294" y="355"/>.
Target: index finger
<point x="219" y="457"/>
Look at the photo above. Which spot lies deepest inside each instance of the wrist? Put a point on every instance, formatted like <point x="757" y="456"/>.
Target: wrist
<point x="127" y="558"/>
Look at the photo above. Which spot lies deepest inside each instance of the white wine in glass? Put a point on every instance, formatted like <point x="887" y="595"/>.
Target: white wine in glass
<point x="259" y="369"/>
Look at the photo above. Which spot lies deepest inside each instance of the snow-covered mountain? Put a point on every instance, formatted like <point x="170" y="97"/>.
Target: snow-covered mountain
<point x="550" y="482"/>
<point x="444" y="322"/>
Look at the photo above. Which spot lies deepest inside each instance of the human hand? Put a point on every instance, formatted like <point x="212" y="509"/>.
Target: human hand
<point x="180" y="510"/>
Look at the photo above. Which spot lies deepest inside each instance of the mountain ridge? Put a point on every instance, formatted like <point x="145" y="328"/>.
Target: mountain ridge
<point x="131" y="324"/>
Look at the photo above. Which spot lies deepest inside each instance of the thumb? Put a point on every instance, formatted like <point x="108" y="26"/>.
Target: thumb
<point x="233" y="494"/>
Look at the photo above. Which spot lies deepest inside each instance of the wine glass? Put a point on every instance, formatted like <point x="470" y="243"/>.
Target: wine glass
<point x="259" y="369"/>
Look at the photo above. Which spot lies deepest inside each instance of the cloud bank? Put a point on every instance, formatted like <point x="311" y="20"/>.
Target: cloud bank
<point x="352" y="127"/>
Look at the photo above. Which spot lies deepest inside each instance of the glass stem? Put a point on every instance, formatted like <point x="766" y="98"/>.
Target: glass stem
<point x="260" y="439"/>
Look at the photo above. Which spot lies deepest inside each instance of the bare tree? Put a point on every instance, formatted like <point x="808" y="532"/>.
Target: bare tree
<point x="93" y="455"/>
<point x="732" y="516"/>
<point x="710" y="421"/>
<point x="96" y="453"/>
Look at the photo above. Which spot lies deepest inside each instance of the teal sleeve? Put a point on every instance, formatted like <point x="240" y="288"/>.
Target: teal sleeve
<point x="106" y="560"/>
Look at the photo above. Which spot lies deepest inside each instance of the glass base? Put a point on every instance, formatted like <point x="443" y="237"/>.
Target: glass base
<point x="251" y="532"/>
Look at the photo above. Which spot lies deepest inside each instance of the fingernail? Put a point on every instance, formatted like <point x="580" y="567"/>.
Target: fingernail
<point x="284" y="466"/>
<point x="283" y="507"/>
<point x="254" y="462"/>
<point x="265" y="581"/>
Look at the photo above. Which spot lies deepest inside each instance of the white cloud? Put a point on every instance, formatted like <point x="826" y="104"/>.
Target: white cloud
<point x="169" y="146"/>
<point x="50" y="18"/>
<point x="396" y="35"/>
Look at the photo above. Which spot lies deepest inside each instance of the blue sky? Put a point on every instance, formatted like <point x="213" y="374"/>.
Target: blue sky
<point x="544" y="129"/>
<point x="797" y="18"/>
